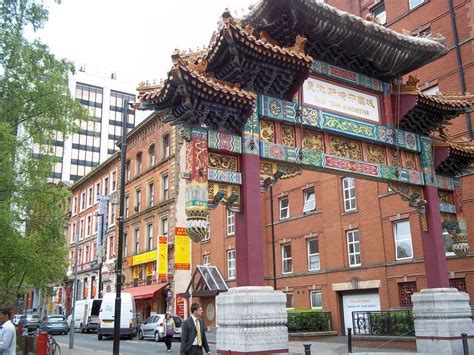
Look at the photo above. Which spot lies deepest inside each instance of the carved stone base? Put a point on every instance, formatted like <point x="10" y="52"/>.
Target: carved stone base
<point x="441" y="316"/>
<point x="251" y="320"/>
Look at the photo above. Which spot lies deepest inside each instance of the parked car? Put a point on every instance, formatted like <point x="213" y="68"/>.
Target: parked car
<point x="54" y="324"/>
<point x="153" y="328"/>
<point x="31" y="322"/>
<point x="16" y="319"/>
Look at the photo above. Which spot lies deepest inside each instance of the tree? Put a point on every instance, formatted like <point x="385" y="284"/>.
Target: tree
<point x="35" y="104"/>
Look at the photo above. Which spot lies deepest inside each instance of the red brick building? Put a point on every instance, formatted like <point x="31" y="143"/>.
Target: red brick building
<point x="339" y="241"/>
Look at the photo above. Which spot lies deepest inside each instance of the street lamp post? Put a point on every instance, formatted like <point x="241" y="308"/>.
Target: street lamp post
<point x="118" y="269"/>
<point x="74" y="289"/>
<point x="102" y="229"/>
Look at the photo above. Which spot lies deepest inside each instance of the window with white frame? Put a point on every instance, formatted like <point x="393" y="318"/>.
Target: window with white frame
<point x="151" y="194"/>
<point x="289" y="300"/>
<point x="309" y="201"/>
<point x="125" y="244"/>
<point x="114" y="180"/>
<point x="206" y="260"/>
<point x="127" y="205"/>
<point x="166" y="146"/>
<point x="414" y="3"/>
<point x="112" y="214"/>
<point x="89" y="225"/>
<point x="138" y="200"/>
<point x="106" y="186"/>
<point x="81" y="229"/>
<point x="74" y="205"/>
<point x="150" y="236"/>
<point x="403" y="244"/>
<point x="72" y="238"/>
<point x="138" y="164"/>
<point x="348" y="186"/>
<point x="165" y="187"/>
<point x="380" y="14"/>
<point x="90" y="196"/>
<point x="83" y="201"/>
<point x="231" y="264"/>
<point x="151" y="156"/>
<point x="316" y="299"/>
<point x="432" y="90"/>
<point x="111" y="247"/>
<point x="313" y="254"/>
<point x="164" y="226"/>
<point x="136" y="239"/>
<point x="127" y="171"/>
<point x="207" y="236"/>
<point x="353" y="247"/>
<point x="95" y="221"/>
<point x="230" y="222"/>
<point x="97" y="191"/>
<point x="286" y="259"/>
<point x="284" y="208"/>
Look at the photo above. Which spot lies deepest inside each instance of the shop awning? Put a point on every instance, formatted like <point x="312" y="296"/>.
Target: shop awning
<point x="142" y="292"/>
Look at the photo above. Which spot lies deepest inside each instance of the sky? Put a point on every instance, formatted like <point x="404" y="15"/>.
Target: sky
<point x="134" y="38"/>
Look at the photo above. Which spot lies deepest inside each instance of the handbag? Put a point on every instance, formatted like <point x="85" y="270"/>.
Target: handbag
<point x="169" y="331"/>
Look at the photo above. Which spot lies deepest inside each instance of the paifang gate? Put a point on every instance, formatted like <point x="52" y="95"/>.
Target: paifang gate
<point x="299" y="85"/>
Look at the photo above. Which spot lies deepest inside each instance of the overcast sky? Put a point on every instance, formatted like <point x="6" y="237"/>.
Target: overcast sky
<point x="134" y="38"/>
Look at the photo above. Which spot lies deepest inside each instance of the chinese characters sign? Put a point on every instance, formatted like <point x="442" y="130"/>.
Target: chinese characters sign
<point x="182" y="249"/>
<point x="163" y="258"/>
<point x="341" y="99"/>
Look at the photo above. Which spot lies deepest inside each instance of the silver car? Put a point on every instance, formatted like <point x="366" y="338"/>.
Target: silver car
<point x="153" y="328"/>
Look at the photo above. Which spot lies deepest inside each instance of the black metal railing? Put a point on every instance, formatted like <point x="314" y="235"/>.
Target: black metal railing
<point x="389" y="323"/>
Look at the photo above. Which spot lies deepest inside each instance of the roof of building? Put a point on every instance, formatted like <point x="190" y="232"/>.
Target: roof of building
<point x="344" y="39"/>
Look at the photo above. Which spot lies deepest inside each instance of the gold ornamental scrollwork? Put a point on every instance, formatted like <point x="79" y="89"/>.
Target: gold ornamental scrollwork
<point x="395" y="158"/>
<point x="267" y="132"/>
<point x="312" y="141"/>
<point x="288" y="137"/>
<point x="410" y="161"/>
<point x="376" y="154"/>
<point x="222" y="162"/>
<point x="346" y="148"/>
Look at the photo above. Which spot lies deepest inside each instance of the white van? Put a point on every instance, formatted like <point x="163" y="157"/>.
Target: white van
<point x="128" y="316"/>
<point x="86" y="314"/>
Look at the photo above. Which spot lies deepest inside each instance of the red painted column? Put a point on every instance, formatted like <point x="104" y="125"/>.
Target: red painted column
<point x="249" y="227"/>
<point x="436" y="264"/>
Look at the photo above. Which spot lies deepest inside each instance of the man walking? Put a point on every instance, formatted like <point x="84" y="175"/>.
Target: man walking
<point x="193" y="336"/>
<point x="7" y="333"/>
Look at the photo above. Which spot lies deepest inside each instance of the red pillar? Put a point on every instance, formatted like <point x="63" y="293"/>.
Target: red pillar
<point x="436" y="265"/>
<point x="248" y="224"/>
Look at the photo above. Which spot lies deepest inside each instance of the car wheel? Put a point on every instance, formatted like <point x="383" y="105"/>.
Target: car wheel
<point x="99" y="336"/>
<point x="157" y="337"/>
<point x="140" y="335"/>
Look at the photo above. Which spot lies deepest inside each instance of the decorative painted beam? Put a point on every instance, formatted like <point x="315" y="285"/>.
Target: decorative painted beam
<point x="224" y="176"/>
<point x="447" y="208"/>
<point x="224" y="142"/>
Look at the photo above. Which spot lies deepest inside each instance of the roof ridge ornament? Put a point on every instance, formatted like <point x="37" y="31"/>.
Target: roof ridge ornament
<point x="410" y="86"/>
<point x="298" y="47"/>
<point x="265" y="37"/>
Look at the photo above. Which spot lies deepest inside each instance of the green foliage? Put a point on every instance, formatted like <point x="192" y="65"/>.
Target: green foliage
<point x="392" y="323"/>
<point x="308" y="321"/>
<point x="35" y="107"/>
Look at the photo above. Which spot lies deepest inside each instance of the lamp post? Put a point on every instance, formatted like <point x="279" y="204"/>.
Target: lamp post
<point x="74" y="288"/>
<point x="102" y="229"/>
<point x="269" y="182"/>
<point x="118" y="269"/>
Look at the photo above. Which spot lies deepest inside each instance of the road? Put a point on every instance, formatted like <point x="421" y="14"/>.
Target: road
<point x="89" y="342"/>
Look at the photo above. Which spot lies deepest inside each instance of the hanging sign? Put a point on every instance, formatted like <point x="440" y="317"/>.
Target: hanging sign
<point x="163" y="257"/>
<point x="182" y="249"/>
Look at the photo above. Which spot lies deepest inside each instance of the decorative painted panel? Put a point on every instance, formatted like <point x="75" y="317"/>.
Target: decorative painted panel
<point x="341" y="124"/>
<point x="288" y="136"/>
<point x="445" y="196"/>
<point x="312" y="140"/>
<point x="225" y="142"/>
<point x="250" y="135"/>
<point x="269" y="169"/>
<point x="410" y="161"/>
<point x="226" y="176"/>
<point x="447" y="208"/>
<point x="267" y="131"/>
<point x="278" y="109"/>
<point x="346" y="75"/>
<point x="311" y="117"/>
<point x="220" y="161"/>
<point x="216" y="189"/>
<point x="376" y="154"/>
<point x="346" y="148"/>
<point x="351" y="166"/>
<point x="279" y="152"/>
<point x="394" y="157"/>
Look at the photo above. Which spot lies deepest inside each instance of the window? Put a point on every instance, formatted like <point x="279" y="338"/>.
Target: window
<point x="207" y="236"/>
<point x="164" y="226"/>
<point x="112" y="215"/>
<point x="379" y="14"/>
<point x="459" y="284"/>
<point x="127" y="171"/>
<point x="414" y="3"/>
<point x="164" y="183"/>
<point x="316" y="300"/>
<point x="87" y="256"/>
<point x="74" y="205"/>
<point x="348" y="186"/>
<point x="206" y="260"/>
<point x="403" y="245"/>
<point x="73" y="233"/>
<point x="405" y="290"/>
<point x="309" y="201"/>
<point x="138" y="164"/>
<point x="97" y="191"/>
<point x="106" y="186"/>
<point x="286" y="259"/>
<point x="231" y="264"/>
<point x="433" y="90"/>
<point x="95" y="221"/>
<point x="313" y="254"/>
<point x="127" y="206"/>
<point x="81" y="229"/>
<point x="151" y="194"/>
<point x="151" y="156"/>
<point x="111" y="247"/>
<point x="125" y="244"/>
<point x="90" y="196"/>
<point x="284" y="208"/>
<point x="230" y="222"/>
<point x="353" y="247"/>
<point x="448" y="243"/>
<point x="289" y="300"/>
<point x="114" y="180"/>
<point x="138" y="200"/>
<point x="83" y="201"/>
<point x="150" y="236"/>
<point x="137" y="240"/>
<point x="166" y="146"/>
<point x="89" y="225"/>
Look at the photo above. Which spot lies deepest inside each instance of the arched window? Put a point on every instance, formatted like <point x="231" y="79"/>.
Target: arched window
<point x="138" y="164"/>
<point x="151" y="155"/>
<point x="166" y="146"/>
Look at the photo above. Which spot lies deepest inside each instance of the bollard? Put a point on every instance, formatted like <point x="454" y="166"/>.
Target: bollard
<point x="349" y="340"/>
<point x="465" y="345"/>
<point x="42" y="344"/>
<point x="307" y="349"/>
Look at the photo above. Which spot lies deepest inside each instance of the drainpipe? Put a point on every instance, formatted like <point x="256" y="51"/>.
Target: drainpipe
<point x="459" y="63"/>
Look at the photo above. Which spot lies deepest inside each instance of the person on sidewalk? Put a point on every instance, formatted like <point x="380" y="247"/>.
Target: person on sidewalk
<point x="193" y="335"/>
<point x="169" y="331"/>
<point x="7" y="333"/>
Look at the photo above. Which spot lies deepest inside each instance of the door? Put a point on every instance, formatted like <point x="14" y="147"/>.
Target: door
<point x="358" y="302"/>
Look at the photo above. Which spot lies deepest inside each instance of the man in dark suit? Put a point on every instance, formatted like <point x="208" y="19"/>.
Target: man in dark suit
<point x="193" y="336"/>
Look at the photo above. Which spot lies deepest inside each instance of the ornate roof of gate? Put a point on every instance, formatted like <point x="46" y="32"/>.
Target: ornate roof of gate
<point x="459" y="155"/>
<point x="344" y="39"/>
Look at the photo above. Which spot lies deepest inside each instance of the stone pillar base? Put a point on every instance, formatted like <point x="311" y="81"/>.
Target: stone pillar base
<point x="251" y="320"/>
<point x="441" y="315"/>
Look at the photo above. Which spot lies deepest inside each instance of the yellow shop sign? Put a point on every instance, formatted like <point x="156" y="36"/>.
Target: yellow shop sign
<point x="144" y="257"/>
